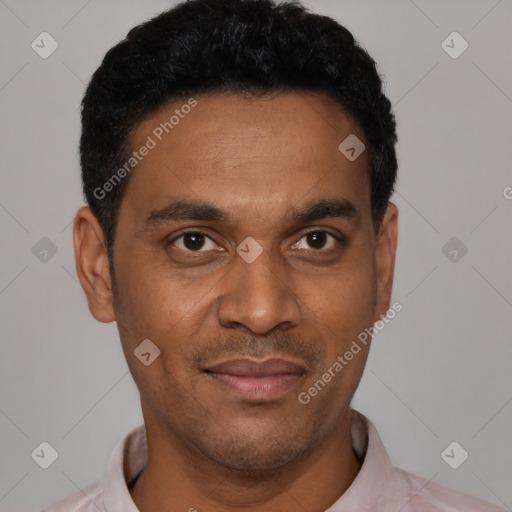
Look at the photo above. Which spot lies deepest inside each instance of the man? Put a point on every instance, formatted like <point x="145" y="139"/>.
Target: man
<point x="238" y="161"/>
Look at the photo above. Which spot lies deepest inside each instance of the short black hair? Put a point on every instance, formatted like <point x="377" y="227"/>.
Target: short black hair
<point x="250" y="47"/>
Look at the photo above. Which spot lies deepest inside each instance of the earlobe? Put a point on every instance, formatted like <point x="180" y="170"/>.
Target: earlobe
<point x="385" y="252"/>
<point x="91" y="260"/>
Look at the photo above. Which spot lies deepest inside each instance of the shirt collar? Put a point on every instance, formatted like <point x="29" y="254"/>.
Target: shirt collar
<point x="376" y="476"/>
<point x="127" y="461"/>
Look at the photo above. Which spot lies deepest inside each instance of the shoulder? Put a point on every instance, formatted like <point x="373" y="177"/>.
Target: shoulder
<point x="90" y="499"/>
<point x="427" y="496"/>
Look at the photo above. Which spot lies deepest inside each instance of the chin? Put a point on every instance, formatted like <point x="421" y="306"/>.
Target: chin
<point x="256" y="455"/>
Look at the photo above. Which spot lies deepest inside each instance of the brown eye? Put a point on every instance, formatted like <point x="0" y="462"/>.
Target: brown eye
<point x="319" y="240"/>
<point x="316" y="239"/>
<point x="192" y="241"/>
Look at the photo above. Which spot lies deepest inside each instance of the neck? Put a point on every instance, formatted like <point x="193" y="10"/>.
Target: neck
<point x="179" y="479"/>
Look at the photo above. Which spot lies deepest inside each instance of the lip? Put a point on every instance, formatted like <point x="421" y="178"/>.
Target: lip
<point x="254" y="379"/>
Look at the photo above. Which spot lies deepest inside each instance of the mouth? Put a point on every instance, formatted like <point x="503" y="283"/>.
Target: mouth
<point x="256" y="380"/>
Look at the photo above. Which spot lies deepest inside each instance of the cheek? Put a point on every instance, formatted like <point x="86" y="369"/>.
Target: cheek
<point x="344" y="301"/>
<point x="341" y="309"/>
<point x="154" y="303"/>
<point x="154" y="309"/>
<point x="147" y="293"/>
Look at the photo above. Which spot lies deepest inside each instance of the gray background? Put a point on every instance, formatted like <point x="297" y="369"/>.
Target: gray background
<point x="439" y="372"/>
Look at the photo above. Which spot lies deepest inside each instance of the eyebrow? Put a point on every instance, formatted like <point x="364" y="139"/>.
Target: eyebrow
<point x="326" y="208"/>
<point x="183" y="209"/>
<point x="186" y="209"/>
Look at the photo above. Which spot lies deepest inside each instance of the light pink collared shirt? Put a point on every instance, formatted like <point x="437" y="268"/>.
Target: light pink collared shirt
<point x="378" y="487"/>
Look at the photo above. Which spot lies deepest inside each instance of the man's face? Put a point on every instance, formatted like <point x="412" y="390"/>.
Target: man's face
<point x="303" y="300"/>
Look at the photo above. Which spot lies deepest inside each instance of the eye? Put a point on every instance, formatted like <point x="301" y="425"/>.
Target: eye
<point x="197" y="241"/>
<point x="318" y="239"/>
<point x="193" y="241"/>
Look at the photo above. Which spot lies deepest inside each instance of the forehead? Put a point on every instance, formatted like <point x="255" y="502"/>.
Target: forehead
<point x="266" y="151"/>
<point x="221" y="125"/>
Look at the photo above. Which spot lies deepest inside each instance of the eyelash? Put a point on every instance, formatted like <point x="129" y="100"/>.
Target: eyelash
<point x="338" y="238"/>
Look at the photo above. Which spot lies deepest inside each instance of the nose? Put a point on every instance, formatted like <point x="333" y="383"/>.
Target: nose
<point x="259" y="296"/>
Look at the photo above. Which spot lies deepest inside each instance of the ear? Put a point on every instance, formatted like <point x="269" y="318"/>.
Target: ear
<point x="92" y="267"/>
<point x="385" y="251"/>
